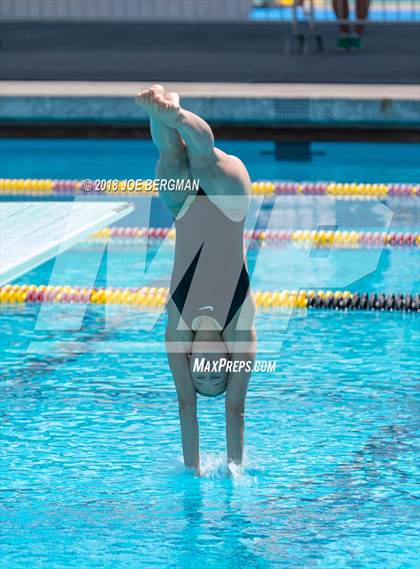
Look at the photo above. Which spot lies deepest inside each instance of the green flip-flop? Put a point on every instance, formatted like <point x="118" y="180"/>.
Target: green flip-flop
<point x="344" y="43"/>
<point x="356" y="43"/>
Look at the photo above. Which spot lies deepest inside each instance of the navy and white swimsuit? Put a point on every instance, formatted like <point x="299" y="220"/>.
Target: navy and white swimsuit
<point x="209" y="277"/>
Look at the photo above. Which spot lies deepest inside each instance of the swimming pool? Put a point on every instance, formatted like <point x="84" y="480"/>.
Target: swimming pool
<point x="91" y="458"/>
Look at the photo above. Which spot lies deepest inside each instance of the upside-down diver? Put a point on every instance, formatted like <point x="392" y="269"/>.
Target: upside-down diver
<point x="210" y="335"/>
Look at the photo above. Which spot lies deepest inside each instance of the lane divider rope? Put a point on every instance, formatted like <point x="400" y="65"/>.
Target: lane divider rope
<point x="153" y="297"/>
<point x="315" y="238"/>
<point x="61" y="187"/>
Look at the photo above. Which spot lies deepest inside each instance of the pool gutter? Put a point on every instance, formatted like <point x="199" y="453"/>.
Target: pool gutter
<point x="238" y="107"/>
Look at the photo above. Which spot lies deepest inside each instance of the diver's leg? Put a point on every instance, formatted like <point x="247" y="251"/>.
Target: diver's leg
<point x="173" y="161"/>
<point x="223" y="176"/>
<point x="219" y="174"/>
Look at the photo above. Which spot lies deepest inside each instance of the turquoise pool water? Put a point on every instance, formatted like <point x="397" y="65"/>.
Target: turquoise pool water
<point x="340" y="161"/>
<point x="91" y="458"/>
<point x="90" y="449"/>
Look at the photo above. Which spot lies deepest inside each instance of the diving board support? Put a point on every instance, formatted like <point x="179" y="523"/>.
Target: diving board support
<point x="32" y="233"/>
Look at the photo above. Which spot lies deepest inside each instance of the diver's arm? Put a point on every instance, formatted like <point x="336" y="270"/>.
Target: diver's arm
<point x="187" y="402"/>
<point x="190" y="436"/>
<point x="235" y="415"/>
<point x="235" y="426"/>
<point x="241" y="340"/>
<point x="235" y="400"/>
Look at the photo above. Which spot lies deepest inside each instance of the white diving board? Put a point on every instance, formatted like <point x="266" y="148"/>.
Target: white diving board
<point x="34" y="232"/>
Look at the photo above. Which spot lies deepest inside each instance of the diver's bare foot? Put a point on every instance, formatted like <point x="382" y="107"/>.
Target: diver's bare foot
<point x="163" y="105"/>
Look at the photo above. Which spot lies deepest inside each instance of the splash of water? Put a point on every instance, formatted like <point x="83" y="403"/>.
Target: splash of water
<point x="214" y="467"/>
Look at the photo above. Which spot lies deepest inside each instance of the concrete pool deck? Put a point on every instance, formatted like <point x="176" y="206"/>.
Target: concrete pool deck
<point x="264" y="104"/>
<point x="250" y="52"/>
